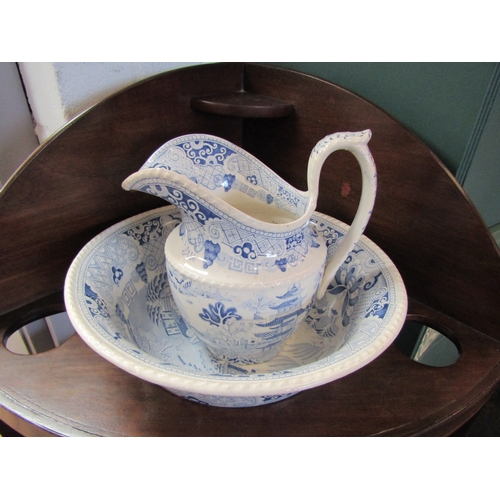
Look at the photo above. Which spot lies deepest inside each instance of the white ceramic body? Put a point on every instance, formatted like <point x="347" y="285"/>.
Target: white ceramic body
<point x="246" y="320"/>
<point x="245" y="265"/>
<point x="118" y="298"/>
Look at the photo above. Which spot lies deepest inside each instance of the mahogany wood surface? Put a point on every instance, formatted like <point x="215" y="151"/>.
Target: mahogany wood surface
<point x="70" y="190"/>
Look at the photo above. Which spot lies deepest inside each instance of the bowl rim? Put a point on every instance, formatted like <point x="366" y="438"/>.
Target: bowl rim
<point x="232" y="385"/>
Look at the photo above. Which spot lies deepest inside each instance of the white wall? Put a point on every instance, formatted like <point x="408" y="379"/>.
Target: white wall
<point x="17" y="137"/>
<point x="58" y="92"/>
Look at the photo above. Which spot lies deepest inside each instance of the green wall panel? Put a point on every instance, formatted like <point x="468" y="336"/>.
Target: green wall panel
<point x="439" y="102"/>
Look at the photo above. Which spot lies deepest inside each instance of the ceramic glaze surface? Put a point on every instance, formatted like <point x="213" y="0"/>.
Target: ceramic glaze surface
<point x="119" y="300"/>
<point x="245" y="264"/>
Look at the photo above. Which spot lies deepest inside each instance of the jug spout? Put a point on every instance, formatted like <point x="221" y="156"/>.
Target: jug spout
<point x="222" y="176"/>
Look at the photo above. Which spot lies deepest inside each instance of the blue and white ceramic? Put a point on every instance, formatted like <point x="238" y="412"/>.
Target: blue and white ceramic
<point x="119" y="300"/>
<point x="245" y="264"/>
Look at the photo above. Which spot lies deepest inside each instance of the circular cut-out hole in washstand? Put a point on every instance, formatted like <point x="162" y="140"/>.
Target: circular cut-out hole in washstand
<point x="41" y="335"/>
<point x="426" y="345"/>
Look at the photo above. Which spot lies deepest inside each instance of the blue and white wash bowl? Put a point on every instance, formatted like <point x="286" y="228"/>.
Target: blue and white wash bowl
<point x="119" y="300"/>
<point x="245" y="265"/>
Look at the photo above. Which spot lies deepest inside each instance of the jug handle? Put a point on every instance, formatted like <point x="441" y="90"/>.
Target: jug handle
<point x="356" y="143"/>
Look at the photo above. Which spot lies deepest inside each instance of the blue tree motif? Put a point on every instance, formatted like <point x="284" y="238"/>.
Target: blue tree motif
<point x="218" y="315"/>
<point x="211" y="252"/>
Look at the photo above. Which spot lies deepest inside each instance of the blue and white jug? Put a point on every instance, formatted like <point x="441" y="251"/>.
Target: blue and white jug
<point x="246" y="264"/>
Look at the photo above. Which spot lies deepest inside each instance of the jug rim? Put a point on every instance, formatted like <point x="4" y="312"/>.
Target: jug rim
<point x="148" y="176"/>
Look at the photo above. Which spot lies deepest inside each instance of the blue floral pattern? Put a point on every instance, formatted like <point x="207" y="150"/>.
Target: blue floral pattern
<point x="138" y="317"/>
<point x="216" y="164"/>
<point x="218" y="314"/>
<point x="245" y="250"/>
<point x="347" y="282"/>
<point x="212" y="250"/>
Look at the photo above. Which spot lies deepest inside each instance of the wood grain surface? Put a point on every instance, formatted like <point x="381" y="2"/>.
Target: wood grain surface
<point x="70" y="190"/>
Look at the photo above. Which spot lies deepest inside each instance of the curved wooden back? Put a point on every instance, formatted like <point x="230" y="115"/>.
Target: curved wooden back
<point x="70" y="188"/>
